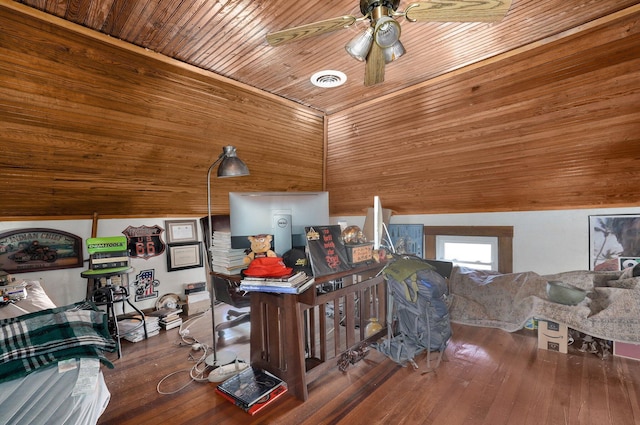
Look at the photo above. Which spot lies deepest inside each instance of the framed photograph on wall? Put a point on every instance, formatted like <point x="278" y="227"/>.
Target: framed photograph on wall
<point x="614" y="241"/>
<point x="184" y="256"/>
<point x="181" y="231"/>
<point x="407" y="238"/>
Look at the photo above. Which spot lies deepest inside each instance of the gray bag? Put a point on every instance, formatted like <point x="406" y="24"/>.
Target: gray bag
<point x="418" y="316"/>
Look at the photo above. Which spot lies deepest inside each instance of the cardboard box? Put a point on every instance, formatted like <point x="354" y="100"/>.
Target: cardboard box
<point x="552" y="336"/>
<point x="627" y="350"/>
<point x="196" y="307"/>
<point x="359" y="253"/>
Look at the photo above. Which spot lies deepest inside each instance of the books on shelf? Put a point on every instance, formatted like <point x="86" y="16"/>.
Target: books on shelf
<point x="260" y="404"/>
<point x="264" y="286"/>
<point x="252" y="389"/>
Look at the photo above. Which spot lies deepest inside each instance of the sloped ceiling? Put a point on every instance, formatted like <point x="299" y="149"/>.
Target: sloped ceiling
<point x="227" y="37"/>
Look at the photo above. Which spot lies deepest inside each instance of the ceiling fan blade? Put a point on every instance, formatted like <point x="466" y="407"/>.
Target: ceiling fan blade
<point x="458" y="10"/>
<point x="374" y="69"/>
<point x="309" y="30"/>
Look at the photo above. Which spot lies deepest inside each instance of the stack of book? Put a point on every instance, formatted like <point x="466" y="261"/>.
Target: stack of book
<point x="224" y="259"/>
<point x="132" y="330"/>
<point x="197" y="298"/>
<point x="295" y="283"/>
<point x="252" y="389"/>
<point x="169" y="318"/>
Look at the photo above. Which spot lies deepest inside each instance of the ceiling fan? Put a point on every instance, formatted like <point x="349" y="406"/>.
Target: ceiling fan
<point x="380" y="43"/>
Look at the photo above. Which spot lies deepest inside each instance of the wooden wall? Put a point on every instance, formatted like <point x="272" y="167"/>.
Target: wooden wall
<point x="92" y="124"/>
<point x="554" y="126"/>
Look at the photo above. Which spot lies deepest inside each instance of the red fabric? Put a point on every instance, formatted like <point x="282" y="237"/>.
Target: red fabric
<point x="267" y="267"/>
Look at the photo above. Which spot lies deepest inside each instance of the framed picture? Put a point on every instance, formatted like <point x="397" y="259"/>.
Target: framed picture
<point x="614" y="241"/>
<point x="407" y="238"/>
<point x="184" y="256"/>
<point x="181" y="231"/>
<point x="38" y="249"/>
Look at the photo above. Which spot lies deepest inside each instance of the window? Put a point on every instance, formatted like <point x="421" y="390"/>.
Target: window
<point x="475" y="252"/>
<point x="501" y="257"/>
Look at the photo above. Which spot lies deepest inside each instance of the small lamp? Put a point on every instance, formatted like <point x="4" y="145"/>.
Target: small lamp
<point x="360" y="45"/>
<point x="387" y="32"/>
<point x="394" y="52"/>
<point x="230" y="166"/>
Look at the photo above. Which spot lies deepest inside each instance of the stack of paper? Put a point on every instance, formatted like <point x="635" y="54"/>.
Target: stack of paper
<point x="295" y="283"/>
<point x="226" y="260"/>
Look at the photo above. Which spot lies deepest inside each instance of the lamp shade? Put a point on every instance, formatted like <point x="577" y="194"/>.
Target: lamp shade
<point x="387" y="32"/>
<point x="394" y="52"/>
<point x="231" y="165"/>
<point x="359" y="45"/>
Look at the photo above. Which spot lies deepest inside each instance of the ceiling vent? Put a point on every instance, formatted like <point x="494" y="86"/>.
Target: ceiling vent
<point x="328" y="78"/>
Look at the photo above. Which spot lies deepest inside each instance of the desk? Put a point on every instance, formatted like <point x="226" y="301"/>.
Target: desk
<point x="300" y="337"/>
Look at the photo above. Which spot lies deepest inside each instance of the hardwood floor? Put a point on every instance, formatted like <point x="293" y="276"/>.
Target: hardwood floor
<point x="488" y="377"/>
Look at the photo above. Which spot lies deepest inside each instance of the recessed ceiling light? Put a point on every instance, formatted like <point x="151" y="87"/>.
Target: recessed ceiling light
<point x="328" y="78"/>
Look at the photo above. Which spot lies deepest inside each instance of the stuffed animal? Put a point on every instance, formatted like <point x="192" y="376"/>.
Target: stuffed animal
<point x="260" y="248"/>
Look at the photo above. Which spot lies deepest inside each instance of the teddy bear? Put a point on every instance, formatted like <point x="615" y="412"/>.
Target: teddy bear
<point x="260" y="248"/>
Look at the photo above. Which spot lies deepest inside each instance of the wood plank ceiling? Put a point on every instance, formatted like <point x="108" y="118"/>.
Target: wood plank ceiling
<point x="227" y="37"/>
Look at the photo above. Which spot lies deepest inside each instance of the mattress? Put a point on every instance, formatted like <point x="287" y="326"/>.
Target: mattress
<point x="51" y="396"/>
<point x="68" y="392"/>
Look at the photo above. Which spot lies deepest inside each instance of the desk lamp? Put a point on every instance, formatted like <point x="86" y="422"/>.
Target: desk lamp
<point x="230" y="166"/>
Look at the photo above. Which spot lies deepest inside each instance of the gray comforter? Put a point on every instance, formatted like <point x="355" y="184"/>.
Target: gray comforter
<point x="506" y="301"/>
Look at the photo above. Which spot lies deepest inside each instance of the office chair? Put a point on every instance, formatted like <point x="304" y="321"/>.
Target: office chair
<point x="225" y="287"/>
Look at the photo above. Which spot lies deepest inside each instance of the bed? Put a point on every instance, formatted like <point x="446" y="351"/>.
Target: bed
<point x="610" y="311"/>
<point x="50" y="361"/>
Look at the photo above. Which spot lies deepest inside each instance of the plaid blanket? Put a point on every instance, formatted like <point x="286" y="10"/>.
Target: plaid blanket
<point x="43" y="338"/>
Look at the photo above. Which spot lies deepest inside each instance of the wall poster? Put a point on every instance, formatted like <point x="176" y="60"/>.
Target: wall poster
<point x="31" y="250"/>
<point x="614" y="241"/>
<point x="407" y="238"/>
<point x="326" y="250"/>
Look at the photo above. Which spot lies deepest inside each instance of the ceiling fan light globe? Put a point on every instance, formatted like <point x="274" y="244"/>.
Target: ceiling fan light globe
<point x="360" y="45"/>
<point x="394" y="52"/>
<point x="387" y="32"/>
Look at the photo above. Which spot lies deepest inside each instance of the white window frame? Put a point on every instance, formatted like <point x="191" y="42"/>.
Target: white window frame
<point x="492" y="241"/>
<point x="503" y="233"/>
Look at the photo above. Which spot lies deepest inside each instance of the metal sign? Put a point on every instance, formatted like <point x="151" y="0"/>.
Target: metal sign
<point x="144" y="241"/>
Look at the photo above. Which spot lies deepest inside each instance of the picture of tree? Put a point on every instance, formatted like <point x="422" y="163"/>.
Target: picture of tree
<point x="613" y="239"/>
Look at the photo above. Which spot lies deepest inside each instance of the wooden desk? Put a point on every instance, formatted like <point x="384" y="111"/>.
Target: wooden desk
<point x="299" y="337"/>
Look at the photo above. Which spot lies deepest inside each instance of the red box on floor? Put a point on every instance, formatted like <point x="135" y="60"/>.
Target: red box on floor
<point x="626" y="349"/>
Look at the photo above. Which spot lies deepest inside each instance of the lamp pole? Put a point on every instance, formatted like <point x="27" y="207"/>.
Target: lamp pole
<point x="230" y="166"/>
